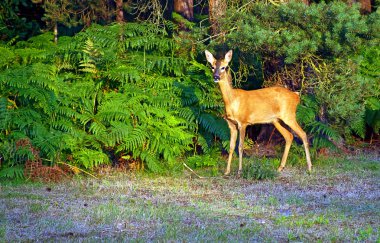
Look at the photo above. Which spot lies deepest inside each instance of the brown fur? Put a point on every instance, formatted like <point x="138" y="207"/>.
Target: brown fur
<point x="268" y="105"/>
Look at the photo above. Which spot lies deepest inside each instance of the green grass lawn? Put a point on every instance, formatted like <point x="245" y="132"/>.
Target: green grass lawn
<point x="338" y="201"/>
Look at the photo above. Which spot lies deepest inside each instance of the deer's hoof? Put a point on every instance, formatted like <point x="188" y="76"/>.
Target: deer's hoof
<point x="280" y="168"/>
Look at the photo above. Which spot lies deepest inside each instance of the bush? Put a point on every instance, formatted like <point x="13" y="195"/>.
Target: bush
<point x="107" y="93"/>
<point x="260" y="169"/>
<point x="317" y="50"/>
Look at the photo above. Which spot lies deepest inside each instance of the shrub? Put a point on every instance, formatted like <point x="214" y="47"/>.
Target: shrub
<point x="260" y="169"/>
<point x="106" y="93"/>
<point x="316" y="50"/>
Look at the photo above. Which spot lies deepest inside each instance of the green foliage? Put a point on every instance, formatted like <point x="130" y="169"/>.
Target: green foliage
<point x="260" y="169"/>
<point x="15" y="172"/>
<point x="317" y="49"/>
<point x="372" y="114"/>
<point x="294" y="30"/>
<point x="107" y="93"/>
<point x="370" y="68"/>
<point x="308" y="116"/>
<point x="370" y="62"/>
<point x="343" y="92"/>
<point x="202" y="161"/>
<point x="297" y="152"/>
<point x="182" y="21"/>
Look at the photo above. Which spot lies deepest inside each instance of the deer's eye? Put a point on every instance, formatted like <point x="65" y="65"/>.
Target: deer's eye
<point x="223" y="68"/>
<point x="213" y="68"/>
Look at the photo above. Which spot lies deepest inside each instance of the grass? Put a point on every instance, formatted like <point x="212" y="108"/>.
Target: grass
<point x="338" y="201"/>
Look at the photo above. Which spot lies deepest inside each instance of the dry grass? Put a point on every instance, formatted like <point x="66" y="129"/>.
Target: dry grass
<point x="339" y="201"/>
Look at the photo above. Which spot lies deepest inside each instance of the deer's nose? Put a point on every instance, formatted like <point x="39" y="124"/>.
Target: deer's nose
<point x="216" y="78"/>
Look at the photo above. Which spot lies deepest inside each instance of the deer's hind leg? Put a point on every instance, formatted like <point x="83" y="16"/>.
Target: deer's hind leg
<point x="233" y="137"/>
<point x="293" y="124"/>
<point x="288" y="142"/>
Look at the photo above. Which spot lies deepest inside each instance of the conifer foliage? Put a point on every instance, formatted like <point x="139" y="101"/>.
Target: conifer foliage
<point x="109" y="92"/>
<point x="327" y="51"/>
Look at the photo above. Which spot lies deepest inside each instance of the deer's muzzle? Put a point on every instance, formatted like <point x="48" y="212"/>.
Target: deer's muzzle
<point x="216" y="77"/>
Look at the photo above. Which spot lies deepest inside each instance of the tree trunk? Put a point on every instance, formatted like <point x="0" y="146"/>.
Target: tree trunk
<point x="365" y="6"/>
<point x="217" y="10"/>
<point x="168" y="8"/>
<point x="119" y="11"/>
<point x="185" y="8"/>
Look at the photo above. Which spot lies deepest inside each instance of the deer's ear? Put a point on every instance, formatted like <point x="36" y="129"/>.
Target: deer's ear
<point x="210" y="58"/>
<point x="228" y="56"/>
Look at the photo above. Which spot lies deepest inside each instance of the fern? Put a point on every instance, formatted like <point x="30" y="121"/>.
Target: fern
<point x="117" y="133"/>
<point x="151" y="161"/>
<point x="119" y="89"/>
<point x="372" y="115"/>
<point x="134" y="141"/>
<point x="90" y="158"/>
<point x="260" y="170"/>
<point x="123" y="73"/>
<point x="14" y="172"/>
<point x="321" y="133"/>
<point x="214" y="125"/>
<point x="202" y="161"/>
<point x="7" y="57"/>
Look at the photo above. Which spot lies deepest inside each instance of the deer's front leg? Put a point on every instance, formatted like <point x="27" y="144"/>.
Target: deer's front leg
<point x="233" y="137"/>
<point x="242" y="129"/>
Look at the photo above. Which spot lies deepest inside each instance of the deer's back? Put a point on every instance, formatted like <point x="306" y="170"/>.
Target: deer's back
<point x="262" y="105"/>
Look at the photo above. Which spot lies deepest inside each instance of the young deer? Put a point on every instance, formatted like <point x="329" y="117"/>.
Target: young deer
<point x="268" y="105"/>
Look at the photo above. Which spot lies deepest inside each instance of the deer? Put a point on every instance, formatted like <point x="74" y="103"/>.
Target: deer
<point x="261" y="106"/>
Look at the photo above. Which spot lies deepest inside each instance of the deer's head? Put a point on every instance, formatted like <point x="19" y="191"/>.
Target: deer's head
<point x="219" y="67"/>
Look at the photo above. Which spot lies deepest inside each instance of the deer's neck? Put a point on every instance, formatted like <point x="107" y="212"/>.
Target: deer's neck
<point x="225" y="85"/>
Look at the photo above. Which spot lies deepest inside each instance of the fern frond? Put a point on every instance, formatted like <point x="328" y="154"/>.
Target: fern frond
<point x="66" y="111"/>
<point x="88" y="67"/>
<point x="90" y="158"/>
<point x="358" y="126"/>
<point x="187" y="113"/>
<point x="48" y="143"/>
<point x="320" y="128"/>
<point x="12" y="172"/>
<point x="118" y="132"/>
<point x="323" y="142"/>
<point x="372" y="113"/>
<point x="30" y="55"/>
<point x="135" y="140"/>
<point x="151" y="161"/>
<point x="7" y="56"/>
<point x="214" y="125"/>
<point x="188" y="95"/>
<point x="305" y="115"/>
<point x="97" y="128"/>
<point x="63" y="125"/>
<point x="123" y="73"/>
<point x="204" y="142"/>
<point x="24" y="117"/>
